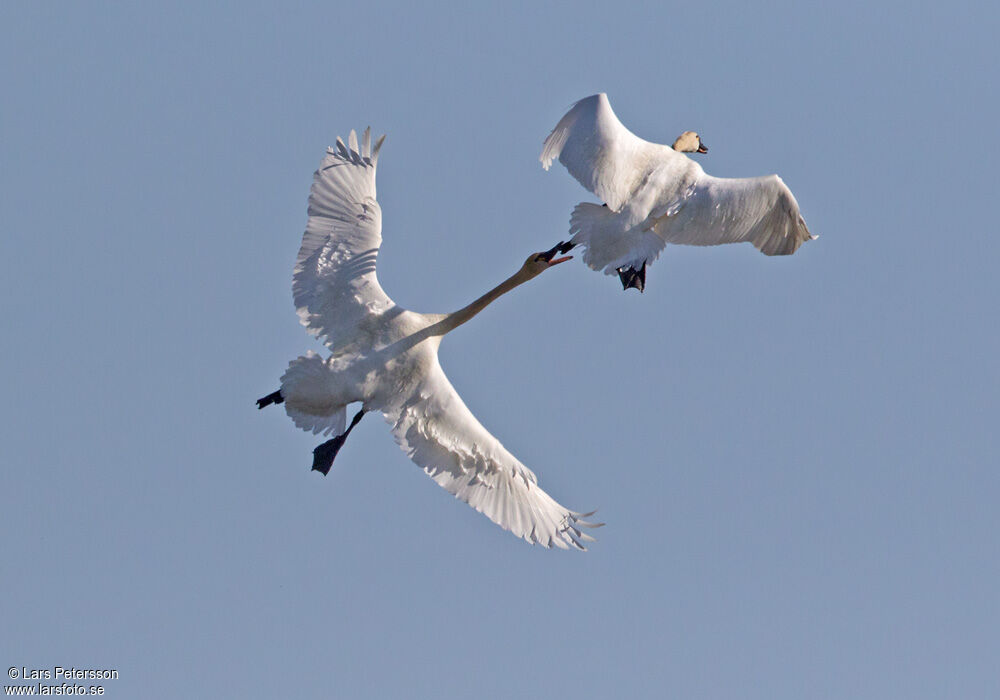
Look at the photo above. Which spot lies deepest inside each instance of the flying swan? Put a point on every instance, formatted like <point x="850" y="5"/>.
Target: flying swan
<point x="386" y="358"/>
<point x="655" y="195"/>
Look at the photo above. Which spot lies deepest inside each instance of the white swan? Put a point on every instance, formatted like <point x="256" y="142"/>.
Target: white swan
<point x="656" y="195"/>
<point x="387" y="358"/>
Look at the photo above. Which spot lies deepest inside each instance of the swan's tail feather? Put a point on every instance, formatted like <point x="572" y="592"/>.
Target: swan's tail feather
<point x="610" y="242"/>
<point x="587" y="222"/>
<point x="591" y="226"/>
<point x="311" y="397"/>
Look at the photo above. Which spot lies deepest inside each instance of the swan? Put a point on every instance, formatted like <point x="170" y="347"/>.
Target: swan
<point x="655" y="195"/>
<point x="386" y="358"/>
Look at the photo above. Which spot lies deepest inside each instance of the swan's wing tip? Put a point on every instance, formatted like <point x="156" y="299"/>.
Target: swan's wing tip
<point x="356" y="152"/>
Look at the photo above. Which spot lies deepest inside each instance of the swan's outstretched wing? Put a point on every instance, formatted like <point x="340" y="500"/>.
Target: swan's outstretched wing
<point x="334" y="285"/>
<point x="438" y="432"/>
<point x="604" y="156"/>
<point x="715" y="210"/>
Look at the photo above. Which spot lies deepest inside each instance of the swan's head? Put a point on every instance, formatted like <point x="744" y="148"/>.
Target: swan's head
<point x="689" y="142"/>
<point x="537" y="263"/>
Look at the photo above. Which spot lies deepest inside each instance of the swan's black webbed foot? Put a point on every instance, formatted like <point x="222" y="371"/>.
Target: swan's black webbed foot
<point x="631" y="277"/>
<point x="273" y="397"/>
<point x="324" y="455"/>
<point x="561" y="247"/>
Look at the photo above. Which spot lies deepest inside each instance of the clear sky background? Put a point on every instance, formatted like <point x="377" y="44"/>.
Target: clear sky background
<point x="796" y="457"/>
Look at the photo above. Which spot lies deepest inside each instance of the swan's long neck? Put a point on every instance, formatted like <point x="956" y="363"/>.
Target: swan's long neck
<point x="457" y="318"/>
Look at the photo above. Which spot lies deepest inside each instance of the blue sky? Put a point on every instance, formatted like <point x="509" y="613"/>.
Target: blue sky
<point x="795" y="457"/>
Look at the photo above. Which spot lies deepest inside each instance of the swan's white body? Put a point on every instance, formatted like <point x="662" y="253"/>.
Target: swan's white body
<point x="386" y="357"/>
<point x="656" y="195"/>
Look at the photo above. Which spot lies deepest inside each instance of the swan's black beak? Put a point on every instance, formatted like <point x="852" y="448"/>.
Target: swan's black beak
<point x="702" y="148"/>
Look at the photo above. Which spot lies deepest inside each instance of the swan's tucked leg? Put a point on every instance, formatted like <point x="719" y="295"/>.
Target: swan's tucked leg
<point x="273" y="397"/>
<point x="324" y="455"/>
<point x="631" y="277"/>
